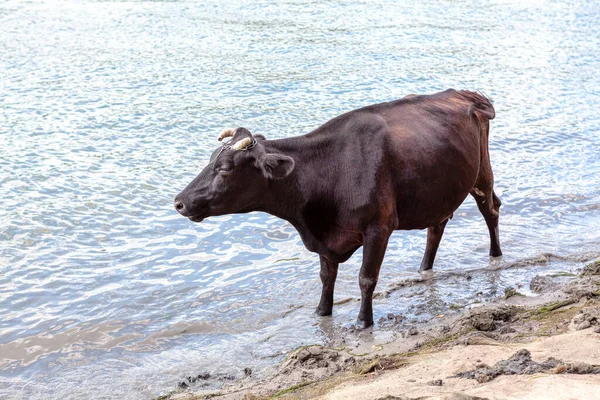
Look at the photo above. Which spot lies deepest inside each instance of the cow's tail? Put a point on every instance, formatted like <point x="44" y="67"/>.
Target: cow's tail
<point x="480" y="104"/>
<point x="483" y="111"/>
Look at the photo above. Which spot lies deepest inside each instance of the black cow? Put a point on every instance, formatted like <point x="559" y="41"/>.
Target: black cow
<point x="405" y="164"/>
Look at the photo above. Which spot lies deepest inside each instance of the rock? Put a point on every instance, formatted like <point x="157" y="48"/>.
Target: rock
<point x="541" y="284"/>
<point x="314" y="359"/>
<point x="519" y="363"/>
<point x="479" y="339"/>
<point x="395" y="319"/>
<point x="436" y="382"/>
<point x="584" y="320"/>
<point x="583" y="325"/>
<point x="484" y="323"/>
<point x="187" y="382"/>
<point x="579" y="318"/>
<point x="411" y="331"/>
<point x="483" y="378"/>
<point x="580" y="368"/>
<point x="247" y="371"/>
<point x="591" y="269"/>
<point x="506" y="329"/>
<point x="316" y="351"/>
<point x="303" y="355"/>
<point x="370" y="366"/>
<point x="485" y="320"/>
<point x="510" y="292"/>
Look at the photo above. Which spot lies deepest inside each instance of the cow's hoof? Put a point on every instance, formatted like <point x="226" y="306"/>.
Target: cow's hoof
<point x="363" y="324"/>
<point x="495" y="252"/>
<point x="323" y="311"/>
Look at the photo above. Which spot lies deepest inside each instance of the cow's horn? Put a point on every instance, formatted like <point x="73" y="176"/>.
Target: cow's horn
<point x="242" y="144"/>
<point x="226" y="133"/>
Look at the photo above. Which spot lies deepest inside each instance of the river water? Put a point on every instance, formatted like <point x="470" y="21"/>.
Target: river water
<point x="108" y="109"/>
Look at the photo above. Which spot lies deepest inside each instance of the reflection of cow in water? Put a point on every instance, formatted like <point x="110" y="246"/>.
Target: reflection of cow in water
<point x="406" y="164"/>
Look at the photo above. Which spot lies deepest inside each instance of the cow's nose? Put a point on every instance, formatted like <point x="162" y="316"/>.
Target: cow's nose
<point x="180" y="207"/>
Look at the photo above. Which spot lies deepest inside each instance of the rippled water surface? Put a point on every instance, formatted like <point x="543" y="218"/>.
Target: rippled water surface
<point x="108" y="109"/>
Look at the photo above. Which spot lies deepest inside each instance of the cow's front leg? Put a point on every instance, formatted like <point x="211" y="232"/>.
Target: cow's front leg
<point x="374" y="245"/>
<point x="328" y="275"/>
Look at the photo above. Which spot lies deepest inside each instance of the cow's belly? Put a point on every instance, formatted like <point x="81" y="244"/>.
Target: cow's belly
<point x="425" y="214"/>
<point x="431" y="198"/>
<point x="337" y="245"/>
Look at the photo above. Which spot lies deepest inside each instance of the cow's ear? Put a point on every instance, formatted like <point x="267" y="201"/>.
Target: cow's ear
<point x="259" y="137"/>
<point x="275" y="166"/>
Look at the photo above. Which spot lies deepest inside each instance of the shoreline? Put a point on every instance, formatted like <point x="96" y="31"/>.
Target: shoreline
<point x="561" y="322"/>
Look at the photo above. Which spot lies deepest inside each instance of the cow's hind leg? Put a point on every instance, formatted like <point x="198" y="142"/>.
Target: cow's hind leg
<point x="489" y="206"/>
<point x="483" y="192"/>
<point x="434" y="236"/>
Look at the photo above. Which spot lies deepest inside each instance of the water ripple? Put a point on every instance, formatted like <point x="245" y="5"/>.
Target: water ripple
<point x="108" y="109"/>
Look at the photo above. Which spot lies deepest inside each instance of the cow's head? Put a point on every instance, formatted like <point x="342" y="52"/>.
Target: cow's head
<point x="235" y="179"/>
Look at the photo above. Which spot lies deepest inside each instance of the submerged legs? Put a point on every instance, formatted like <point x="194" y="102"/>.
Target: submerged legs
<point x="434" y="236"/>
<point x="489" y="206"/>
<point x="328" y="275"/>
<point x="375" y="243"/>
<point x="374" y="246"/>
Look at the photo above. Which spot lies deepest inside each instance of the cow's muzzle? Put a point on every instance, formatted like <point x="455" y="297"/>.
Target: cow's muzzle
<point x="184" y="210"/>
<point x="181" y="208"/>
<point x="189" y="209"/>
<point x="196" y="219"/>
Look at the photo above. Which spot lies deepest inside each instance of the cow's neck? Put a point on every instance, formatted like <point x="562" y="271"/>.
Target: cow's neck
<point x="287" y="197"/>
<point x="284" y="197"/>
<point x="293" y="197"/>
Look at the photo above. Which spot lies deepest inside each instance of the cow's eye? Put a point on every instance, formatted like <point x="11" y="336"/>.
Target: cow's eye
<point x="224" y="171"/>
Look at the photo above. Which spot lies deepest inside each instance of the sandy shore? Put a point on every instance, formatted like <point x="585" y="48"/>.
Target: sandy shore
<point x="543" y="347"/>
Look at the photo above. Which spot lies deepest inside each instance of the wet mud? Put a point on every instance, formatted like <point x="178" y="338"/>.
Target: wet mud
<point x="521" y="363"/>
<point x="591" y="269"/>
<point x="562" y="304"/>
<point x="203" y="379"/>
<point x="314" y="362"/>
<point x="488" y="320"/>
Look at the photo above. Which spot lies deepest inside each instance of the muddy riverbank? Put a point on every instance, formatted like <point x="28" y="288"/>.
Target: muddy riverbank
<point x="535" y="346"/>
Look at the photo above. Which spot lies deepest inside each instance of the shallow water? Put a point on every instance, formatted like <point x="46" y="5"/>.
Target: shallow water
<point x="108" y="109"/>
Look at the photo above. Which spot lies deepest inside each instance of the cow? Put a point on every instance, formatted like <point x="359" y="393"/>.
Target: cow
<point x="401" y="165"/>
